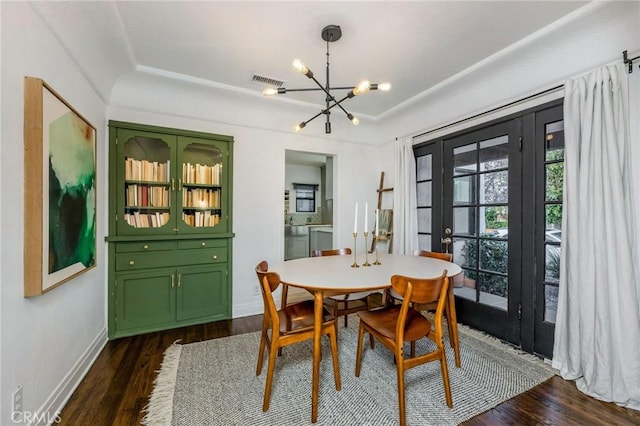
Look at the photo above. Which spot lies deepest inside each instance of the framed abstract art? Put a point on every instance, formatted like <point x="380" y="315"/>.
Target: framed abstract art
<point x="60" y="190"/>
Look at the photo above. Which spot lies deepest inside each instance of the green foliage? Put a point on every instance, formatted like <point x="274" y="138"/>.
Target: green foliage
<point x="494" y="256"/>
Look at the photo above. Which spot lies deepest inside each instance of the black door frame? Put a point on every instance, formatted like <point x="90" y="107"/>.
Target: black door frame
<point x="524" y="325"/>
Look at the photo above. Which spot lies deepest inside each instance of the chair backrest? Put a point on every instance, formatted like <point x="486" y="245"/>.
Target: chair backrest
<point x="437" y="255"/>
<point x="334" y="252"/>
<point x="421" y="290"/>
<point x="269" y="282"/>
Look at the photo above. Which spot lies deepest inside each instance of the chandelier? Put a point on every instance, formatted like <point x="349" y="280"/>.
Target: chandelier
<point x="330" y="33"/>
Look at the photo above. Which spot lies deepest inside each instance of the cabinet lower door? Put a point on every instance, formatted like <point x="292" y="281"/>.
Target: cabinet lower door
<point x="145" y="300"/>
<point x="202" y="292"/>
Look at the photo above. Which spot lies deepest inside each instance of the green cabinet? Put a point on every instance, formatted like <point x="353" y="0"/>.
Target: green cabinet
<point x="170" y="238"/>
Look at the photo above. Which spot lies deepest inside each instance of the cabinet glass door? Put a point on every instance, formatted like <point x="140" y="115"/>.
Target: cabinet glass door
<point x="145" y="191"/>
<point x="201" y="185"/>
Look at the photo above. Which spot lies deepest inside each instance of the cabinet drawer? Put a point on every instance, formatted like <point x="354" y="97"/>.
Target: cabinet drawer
<point x="200" y="256"/>
<point x="158" y="259"/>
<point x="202" y="243"/>
<point x="142" y="246"/>
<point x="137" y="260"/>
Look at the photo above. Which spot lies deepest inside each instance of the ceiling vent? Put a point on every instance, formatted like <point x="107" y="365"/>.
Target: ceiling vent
<point x="266" y="81"/>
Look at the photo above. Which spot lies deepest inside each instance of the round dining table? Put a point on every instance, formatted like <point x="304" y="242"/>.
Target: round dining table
<point x="330" y="275"/>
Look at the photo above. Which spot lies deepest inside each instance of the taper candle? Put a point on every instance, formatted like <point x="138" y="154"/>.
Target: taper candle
<point x="366" y="219"/>
<point x="355" y="220"/>
<point x="377" y="223"/>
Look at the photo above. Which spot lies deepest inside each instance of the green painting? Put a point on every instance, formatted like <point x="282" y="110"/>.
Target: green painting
<point x="72" y="175"/>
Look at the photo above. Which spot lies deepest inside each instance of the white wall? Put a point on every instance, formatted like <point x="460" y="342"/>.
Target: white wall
<point x="47" y="341"/>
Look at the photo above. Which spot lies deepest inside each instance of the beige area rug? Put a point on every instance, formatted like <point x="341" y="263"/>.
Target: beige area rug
<point x="214" y="383"/>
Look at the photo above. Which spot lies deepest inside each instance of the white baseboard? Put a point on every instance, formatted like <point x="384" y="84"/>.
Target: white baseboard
<point x="61" y="394"/>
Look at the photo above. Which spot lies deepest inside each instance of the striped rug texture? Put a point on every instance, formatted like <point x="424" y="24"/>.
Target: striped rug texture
<point x="214" y="383"/>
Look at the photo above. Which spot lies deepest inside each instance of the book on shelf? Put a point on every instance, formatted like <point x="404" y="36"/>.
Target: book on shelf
<point x="144" y="170"/>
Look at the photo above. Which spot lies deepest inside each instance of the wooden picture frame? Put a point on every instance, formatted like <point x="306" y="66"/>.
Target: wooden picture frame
<point x="60" y="190"/>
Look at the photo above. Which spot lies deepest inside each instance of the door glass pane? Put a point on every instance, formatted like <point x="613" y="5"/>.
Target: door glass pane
<point x="494" y="256"/>
<point x="424" y="194"/>
<point x="550" y="303"/>
<point x="494" y="153"/>
<point x="465" y="159"/>
<point x="494" y="187"/>
<point x="552" y="263"/>
<point x="465" y="252"/>
<point x="201" y="185"/>
<point x="464" y="220"/>
<point x="424" y="167"/>
<point x="146" y="184"/>
<point x="554" y="176"/>
<point x="553" y="220"/>
<point x="464" y="190"/>
<point x="424" y="220"/>
<point x="494" y="221"/>
<point x="554" y="136"/>
<point x="465" y="284"/>
<point x="493" y="290"/>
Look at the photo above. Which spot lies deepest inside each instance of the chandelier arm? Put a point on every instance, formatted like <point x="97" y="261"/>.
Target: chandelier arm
<point x="284" y="90"/>
<point x="329" y="95"/>
<point x="324" y="111"/>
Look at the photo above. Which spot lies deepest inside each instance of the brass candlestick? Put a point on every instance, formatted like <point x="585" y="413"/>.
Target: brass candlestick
<point x="355" y="264"/>
<point x="377" y="261"/>
<point x="366" y="251"/>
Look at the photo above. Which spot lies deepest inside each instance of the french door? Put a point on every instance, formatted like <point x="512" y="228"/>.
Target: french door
<point x="492" y="196"/>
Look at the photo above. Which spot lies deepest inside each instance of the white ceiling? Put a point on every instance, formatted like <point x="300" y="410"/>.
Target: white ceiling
<point x="414" y="45"/>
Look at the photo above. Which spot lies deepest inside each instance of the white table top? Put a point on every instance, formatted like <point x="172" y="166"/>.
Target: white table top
<point x="335" y="272"/>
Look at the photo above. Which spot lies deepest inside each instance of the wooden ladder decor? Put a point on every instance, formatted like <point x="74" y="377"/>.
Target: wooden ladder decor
<point x="381" y="190"/>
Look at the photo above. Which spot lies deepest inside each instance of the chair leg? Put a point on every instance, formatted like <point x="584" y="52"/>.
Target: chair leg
<point x="445" y="378"/>
<point x="401" y="400"/>
<point x="452" y="322"/>
<point x="359" y="349"/>
<point x="346" y="305"/>
<point x="270" y="369"/>
<point x="333" y="338"/>
<point x="263" y="342"/>
<point x="413" y="349"/>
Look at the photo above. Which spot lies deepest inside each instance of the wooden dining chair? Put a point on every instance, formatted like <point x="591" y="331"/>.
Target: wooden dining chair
<point x="344" y="304"/>
<point x="291" y="324"/>
<point x="396" y="324"/>
<point x="450" y="307"/>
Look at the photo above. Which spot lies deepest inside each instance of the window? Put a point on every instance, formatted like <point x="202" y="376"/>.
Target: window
<point x="305" y="197"/>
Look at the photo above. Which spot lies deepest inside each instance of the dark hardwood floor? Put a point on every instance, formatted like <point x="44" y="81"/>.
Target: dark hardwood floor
<point x="117" y="386"/>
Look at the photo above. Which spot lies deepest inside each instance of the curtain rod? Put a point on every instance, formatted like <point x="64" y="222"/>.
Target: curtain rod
<point x="498" y="108"/>
<point x="629" y="61"/>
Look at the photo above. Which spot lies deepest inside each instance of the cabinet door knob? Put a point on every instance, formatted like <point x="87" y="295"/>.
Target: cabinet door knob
<point x="215" y="257"/>
<point x="204" y="244"/>
<point x="131" y="263"/>
<point x="146" y="247"/>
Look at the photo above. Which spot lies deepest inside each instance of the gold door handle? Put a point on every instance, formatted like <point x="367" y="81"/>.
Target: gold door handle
<point x="180" y="184"/>
<point x="131" y="263"/>
<point x="179" y="280"/>
<point x="173" y="184"/>
<point x="173" y="284"/>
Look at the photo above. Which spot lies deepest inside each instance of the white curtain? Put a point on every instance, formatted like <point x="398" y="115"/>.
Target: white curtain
<point x="597" y="334"/>
<point x="405" y="213"/>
